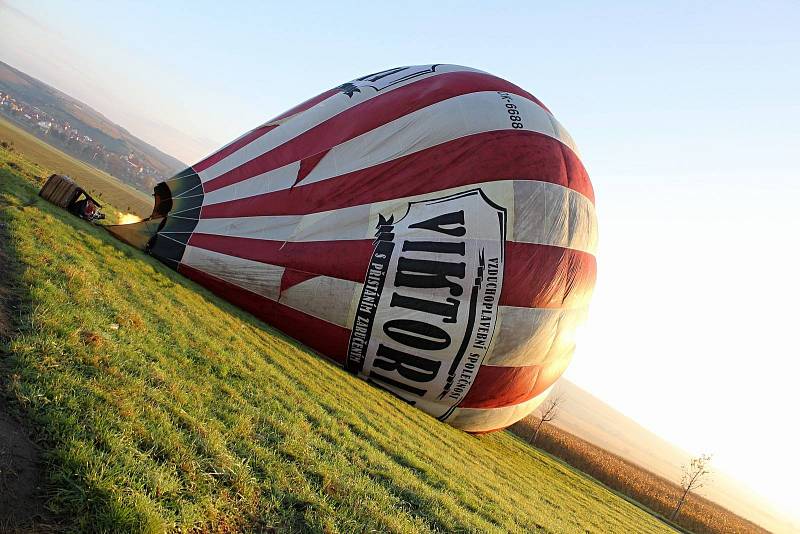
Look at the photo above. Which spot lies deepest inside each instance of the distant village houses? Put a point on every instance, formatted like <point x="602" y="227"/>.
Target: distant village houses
<point x="127" y="167"/>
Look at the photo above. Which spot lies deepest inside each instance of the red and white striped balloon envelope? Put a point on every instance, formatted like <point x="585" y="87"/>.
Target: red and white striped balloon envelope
<point x="429" y="228"/>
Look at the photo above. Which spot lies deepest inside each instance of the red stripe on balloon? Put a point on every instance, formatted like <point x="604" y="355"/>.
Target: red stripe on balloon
<point x="545" y="276"/>
<point x="496" y="387"/>
<point x="322" y="336"/>
<point x="226" y="151"/>
<point x="479" y="158"/>
<point x="364" y="117"/>
<point x="291" y="278"/>
<point x="307" y="165"/>
<point x="347" y="260"/>
<point x="308" y="104"/>
<point x="258" y="132"/>
<point x="535" y="276"/>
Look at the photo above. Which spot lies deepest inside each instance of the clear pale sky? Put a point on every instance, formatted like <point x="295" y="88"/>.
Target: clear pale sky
<point x="688" y="119"/>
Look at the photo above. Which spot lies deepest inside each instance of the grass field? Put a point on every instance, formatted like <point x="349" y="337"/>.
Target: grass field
<point x="162" y="408"/>
<point x="104" y="186"/>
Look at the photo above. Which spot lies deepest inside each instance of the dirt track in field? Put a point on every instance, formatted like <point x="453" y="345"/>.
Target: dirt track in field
<point x="22" y="503"/>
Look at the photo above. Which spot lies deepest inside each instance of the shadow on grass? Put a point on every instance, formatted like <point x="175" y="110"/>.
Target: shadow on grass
<point x="22" y="469"/>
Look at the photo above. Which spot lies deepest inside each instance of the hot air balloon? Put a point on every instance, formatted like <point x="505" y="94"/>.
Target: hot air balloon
<point x="429" y="228"/>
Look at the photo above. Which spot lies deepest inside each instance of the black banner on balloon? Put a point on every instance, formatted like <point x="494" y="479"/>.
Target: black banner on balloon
<point x="370" y="297"/>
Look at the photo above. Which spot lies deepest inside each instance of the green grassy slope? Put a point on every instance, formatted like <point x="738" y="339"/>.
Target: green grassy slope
<point x="163" y="408"/>
<point x="99" y="184"/>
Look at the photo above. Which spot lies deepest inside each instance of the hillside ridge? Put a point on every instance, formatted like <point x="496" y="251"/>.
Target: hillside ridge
<point x="81" y="131"/>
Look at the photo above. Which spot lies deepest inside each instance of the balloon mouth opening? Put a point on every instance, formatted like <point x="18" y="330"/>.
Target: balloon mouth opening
<point x="141" y="233"/>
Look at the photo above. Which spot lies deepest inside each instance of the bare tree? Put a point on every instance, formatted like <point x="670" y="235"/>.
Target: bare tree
<point x="694" y="477"/>
<point x="548" y="411"/>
